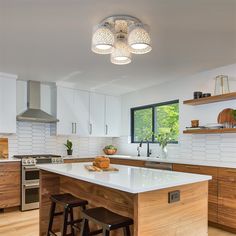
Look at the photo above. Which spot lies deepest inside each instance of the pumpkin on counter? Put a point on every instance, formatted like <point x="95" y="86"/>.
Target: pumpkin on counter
<point x="102" y="162"/>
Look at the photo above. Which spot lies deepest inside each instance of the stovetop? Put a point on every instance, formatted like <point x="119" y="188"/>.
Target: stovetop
<point x="39" y="159"/>
<point x="37" y="156"/>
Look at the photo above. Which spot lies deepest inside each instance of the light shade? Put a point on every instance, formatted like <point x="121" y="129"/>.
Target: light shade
<point x="121" y="54"/>
<point x="103" y="39"/>
<point x="139" y="39"/>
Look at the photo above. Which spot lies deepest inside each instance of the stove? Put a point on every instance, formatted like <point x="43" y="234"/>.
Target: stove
<point x="30" y="177"/>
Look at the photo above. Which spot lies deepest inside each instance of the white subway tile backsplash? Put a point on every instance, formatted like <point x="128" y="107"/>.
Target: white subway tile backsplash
<point x="35" y="138"/>
<point x="213" y="147"/>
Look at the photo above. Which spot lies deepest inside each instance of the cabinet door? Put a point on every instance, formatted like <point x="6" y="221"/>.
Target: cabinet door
<point x="227" y="197"/>
<point x="213" y="186"/>
<point x="113" y="116"/>
<point x="7" y="105"/>
<point x="82" y="113"/>
<point x="66" y="111"/>
<point x="127" y="162"/>
<point x="97" y="115"/>
<point x="9" y="184"/>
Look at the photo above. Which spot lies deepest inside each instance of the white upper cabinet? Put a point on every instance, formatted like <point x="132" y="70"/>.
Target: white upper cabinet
<point x="97" y="115"/>
<point x="82" y="113"/>
<point x="7" y="103"/>
<point x="112" y="116"/>
<point x="87" y="114"/>
<point x="72" y="112"/>
<point x="66" y="111"/>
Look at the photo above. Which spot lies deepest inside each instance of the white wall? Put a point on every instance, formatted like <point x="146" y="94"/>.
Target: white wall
<point x="190" y="146"/>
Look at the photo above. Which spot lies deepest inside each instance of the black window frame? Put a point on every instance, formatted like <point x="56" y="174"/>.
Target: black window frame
<point x="153" y="106"/>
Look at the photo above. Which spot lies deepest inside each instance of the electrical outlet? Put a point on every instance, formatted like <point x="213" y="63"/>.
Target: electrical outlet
<point x="174" y="196"/>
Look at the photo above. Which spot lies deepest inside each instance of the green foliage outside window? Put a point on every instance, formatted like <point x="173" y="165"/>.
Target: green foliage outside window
<point x="166" y="122"/>
<point x="143" y="125"/>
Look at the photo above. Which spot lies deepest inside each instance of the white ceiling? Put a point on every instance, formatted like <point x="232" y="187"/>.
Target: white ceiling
<point x="49" y="40"/>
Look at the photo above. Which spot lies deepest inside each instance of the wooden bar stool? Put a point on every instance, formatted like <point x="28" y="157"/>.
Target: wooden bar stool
<point x="69" y="202"/>
<point x="106" y="219"/>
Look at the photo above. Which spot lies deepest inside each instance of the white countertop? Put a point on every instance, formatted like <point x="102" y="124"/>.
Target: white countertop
<point x="128" y="179"/>
<point x="179" y="161"/>
<point x="10" y="159"/>
<point x="167" y="160"/>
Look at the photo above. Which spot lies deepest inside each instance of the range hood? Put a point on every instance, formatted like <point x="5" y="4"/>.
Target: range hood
<point x="33" y="112"/>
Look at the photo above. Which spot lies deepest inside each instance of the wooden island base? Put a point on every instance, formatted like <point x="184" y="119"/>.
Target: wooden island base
<point x="152" y="214"/>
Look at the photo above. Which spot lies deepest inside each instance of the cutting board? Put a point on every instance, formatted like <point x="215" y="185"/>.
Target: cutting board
<point x="96" y="169"/>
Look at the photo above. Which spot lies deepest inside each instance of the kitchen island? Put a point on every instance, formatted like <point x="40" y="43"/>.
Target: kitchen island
<point x="149" y="196"/>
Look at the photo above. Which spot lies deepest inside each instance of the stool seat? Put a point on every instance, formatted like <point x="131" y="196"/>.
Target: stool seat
<point x="106" y="218"/>
<point x="68" y="199"/>
<point x="69" y="202"/>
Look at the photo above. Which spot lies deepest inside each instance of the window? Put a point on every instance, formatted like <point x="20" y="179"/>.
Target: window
<point x="148" y="121"/>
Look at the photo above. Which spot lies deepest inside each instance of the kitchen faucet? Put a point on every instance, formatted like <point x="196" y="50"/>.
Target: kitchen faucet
<point x="148" y="148"/>
<point x="138" y="148"/>
<point x="149" y="152"/>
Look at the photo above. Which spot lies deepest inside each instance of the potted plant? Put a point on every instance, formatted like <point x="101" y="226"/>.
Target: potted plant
<point x="110" y="150"/>
<point x="69" y="146"/>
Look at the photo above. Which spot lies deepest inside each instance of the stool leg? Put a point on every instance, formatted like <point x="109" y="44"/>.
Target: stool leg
<point x="72" y="220"/>
<point x="51" y="217"/>
<point x="127" y="231"/>
<point x="85" y="228"/>
<point x="105" y="232"/>
<point x="65" y="221"/>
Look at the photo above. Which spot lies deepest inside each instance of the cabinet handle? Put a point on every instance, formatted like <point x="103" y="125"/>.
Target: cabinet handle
<point x="90" y="128"/>
<point x="72" y="127"/>
<point x="106" y="129"/>
<point x="75" y="128"/>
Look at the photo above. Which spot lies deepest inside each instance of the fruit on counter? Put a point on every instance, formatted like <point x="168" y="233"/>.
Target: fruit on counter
<point x="102" y="162"/>
<point x="110" y="150"/>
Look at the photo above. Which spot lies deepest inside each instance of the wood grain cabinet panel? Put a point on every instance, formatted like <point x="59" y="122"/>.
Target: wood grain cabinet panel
<point x="213" y="186"/>
<point x="9" y="184"/>
<point x="227" y="197"/>
<point x="78" y="160"/>
<point x="127" y="162"/>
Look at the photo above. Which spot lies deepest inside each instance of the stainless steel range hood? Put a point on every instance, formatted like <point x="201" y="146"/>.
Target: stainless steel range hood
<point x="33" y="112"/>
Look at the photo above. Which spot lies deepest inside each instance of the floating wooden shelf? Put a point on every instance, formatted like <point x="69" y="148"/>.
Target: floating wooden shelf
<point x="210" y="131"/>
<point x="212" y="99"/>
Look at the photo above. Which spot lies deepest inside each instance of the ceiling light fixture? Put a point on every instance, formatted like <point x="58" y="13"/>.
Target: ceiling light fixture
<point x="120" y="36"/>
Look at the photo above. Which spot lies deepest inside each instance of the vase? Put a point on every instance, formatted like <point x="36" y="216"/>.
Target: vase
<point x="69" y="152"/>
<point x="164" y="152"/>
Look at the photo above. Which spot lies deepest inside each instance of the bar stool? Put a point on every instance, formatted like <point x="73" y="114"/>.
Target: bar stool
<point x="106" y="219"/>
<point x="69" y="202"/>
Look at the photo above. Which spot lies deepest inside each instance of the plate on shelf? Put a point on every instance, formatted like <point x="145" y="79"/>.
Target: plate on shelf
<point x="214" y="126"/>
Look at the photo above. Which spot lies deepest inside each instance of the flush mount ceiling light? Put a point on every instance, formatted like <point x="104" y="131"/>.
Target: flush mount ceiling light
<point x="120" y="36"/>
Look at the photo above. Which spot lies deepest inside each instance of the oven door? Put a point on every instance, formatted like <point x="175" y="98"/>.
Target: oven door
<point x="30" y="174"/>
<point x="30" y="197"/>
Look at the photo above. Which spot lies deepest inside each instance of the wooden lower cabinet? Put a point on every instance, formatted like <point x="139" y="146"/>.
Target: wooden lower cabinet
<point x="127" y="162"/>
<point x="78" y="160"/>
<point x="227" y="197"/>
<point x="213" y="186"/>
<point x="10" y="180"/>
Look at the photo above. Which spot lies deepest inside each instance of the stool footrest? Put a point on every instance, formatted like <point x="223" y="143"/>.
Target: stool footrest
<point x="95" y="232"/>
<point x="58" y="214"/>
<point x="74" y="222"/>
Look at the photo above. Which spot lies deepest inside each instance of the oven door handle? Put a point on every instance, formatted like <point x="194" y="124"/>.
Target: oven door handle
<point x="28" y="168"/>
<point x="31" y="185"/>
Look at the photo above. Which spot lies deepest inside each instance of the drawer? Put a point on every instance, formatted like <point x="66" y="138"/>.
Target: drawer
<point x="227" y="174"/>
